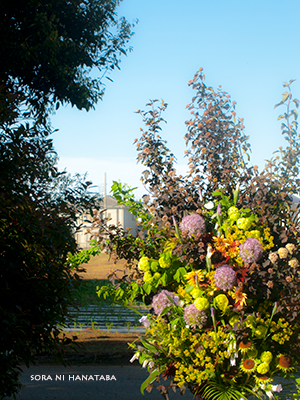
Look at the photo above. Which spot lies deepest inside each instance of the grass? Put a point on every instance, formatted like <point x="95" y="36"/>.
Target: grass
<point x="85" y="295"/>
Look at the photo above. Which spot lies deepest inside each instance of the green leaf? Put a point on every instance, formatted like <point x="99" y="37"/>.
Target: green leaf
<point x="149" y="380"/>
<point x="295" y="113"/>
<point x="189" y="288"/>
<point x="297" y="102"/>
<point x="148" y="346"/>
<point x="164" y="279"/>
<point x="279" y="104"/>
<point x="147" y="288"/>
<point x="180" y="274"/>
<point x="285" y="95"/>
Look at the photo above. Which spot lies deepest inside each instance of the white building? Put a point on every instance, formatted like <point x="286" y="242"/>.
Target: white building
<point x="114" y="211"/>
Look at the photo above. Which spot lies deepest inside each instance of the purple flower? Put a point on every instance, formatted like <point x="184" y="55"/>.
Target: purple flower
<point x="225" y="277"/>
<point x="162" y="300"/>
<point x="193" y="224"/>
<point x="194" y="317"/>
<point x="251" y="250"/>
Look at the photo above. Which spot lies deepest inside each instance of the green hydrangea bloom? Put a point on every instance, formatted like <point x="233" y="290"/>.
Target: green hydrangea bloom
<point x="156" y="276"/>
<point x="234" y="319"/>
<point x="233" y="213"/>
<point x="255" y="234"/>
<point x="201" y="303"/>
<point x="196" y="293"/>
<point x="221" y="302"/>
<point x="249" y="322"/>
<point x="263" y="368"/>
<point x="165" y="260"/>
<point x="266" y="357"/>
<point x="252" y="353"/>
<point x="144" y="264"/>
<point x="260" y="331"/>
<point x="148" y="277"/>
<point x="244" y="223"/>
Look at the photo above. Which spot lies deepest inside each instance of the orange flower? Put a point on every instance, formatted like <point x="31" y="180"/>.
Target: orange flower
<point x="240" y="298"/>
<point x="227" y="247"/>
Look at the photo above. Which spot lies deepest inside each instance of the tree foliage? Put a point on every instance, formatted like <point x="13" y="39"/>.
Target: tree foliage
<point x="51" y="47"/>
<point x="38" y="212"/>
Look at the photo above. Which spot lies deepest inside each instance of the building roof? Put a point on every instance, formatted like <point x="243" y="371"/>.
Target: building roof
<point x="109" y="202"/>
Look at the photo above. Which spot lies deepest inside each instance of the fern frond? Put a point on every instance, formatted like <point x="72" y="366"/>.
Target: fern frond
<point x="216" y="391"/>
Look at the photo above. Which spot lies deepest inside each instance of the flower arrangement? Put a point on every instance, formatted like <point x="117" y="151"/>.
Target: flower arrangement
<point x="218" y="266"/>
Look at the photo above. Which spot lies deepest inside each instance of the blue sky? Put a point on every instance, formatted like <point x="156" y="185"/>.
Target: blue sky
<point x="248" y="47"/>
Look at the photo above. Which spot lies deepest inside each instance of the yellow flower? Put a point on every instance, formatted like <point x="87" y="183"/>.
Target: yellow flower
<point x="248" y="366"/>
<point x="194" y="277"/>
<point x="285" y="363"/>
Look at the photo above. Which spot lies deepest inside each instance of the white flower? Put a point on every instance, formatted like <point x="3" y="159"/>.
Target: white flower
<point x="263" y="386"/>
<point x="269" y="394"/>
<point x="145" y="363"/>
<point x="144" y="321"/>
<point x="181" y="303"/>
<point x="276" y="388"/>
<point x="135" y="357"/>
<point x="210" y="205"/>
<point x="209" y="251"/>
<point x="151" y="364"/>
<point x="232" y="361"/>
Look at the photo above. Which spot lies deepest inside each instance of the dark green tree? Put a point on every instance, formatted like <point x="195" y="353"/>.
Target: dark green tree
<point x="50" y="51"/>
<point x="51" y="47"/>
<point x="38" y="210"/>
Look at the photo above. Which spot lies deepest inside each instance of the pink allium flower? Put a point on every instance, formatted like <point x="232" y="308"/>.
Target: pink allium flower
<point x="193" y="224"/>
<point x="194" y="317"/>
<point x="251" y="250"/>
<point x="164" y="299"/>
<point x="225" y="277"/>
